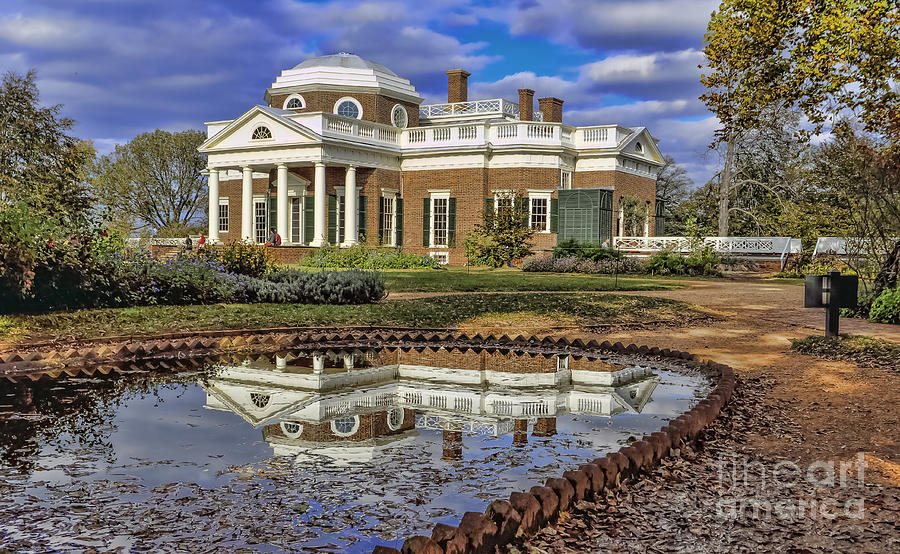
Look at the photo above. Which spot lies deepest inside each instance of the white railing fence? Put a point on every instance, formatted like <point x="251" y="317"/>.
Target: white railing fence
<point x="761" y="247"/>
<point x="474" y="107"/>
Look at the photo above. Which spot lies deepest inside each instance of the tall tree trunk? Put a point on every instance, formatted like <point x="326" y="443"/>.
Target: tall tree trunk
<point x="725" y="187"/>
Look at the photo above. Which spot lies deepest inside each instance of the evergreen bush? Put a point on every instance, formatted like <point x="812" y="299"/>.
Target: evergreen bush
<point x="585" y="251"/>
<point x="361" y="257"/>
<point x="886" y="308"/>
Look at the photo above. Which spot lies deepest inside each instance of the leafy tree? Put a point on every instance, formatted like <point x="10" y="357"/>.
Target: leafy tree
<point x="503" y="236"/>
<point x="41" y="166"/>
<point x="821" y="56"/>
<point x="154" y="181"/>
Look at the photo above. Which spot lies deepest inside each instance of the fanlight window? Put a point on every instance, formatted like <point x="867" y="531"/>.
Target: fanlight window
<point x="259" y="400"/>
<point x="261" y="132"/>
<point x="291" y="429"/>
<point x="398" y="116"/>
<point x="294" y="103"/>
<point x="348" y="108"/>
<point x="638" y="147"/>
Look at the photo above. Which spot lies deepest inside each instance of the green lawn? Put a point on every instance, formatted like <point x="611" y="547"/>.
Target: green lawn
<point x="518" y="309"/>
<point x="486" y="280"/>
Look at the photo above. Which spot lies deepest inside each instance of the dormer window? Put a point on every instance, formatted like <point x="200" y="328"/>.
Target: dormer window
<point x="638" y="147"/>
<point x="348" y="107"/>
<point x="294" y="102"/>
<point x="261" y="133"/>
<point x="399" y="117"/>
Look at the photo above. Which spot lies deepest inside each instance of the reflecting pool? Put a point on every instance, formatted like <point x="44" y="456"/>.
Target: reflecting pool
<point x="311" y="450"/>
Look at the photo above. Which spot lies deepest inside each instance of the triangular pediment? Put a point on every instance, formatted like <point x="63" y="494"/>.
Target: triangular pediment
<point x="239" y="134"/>
<point x="647" y="149"/>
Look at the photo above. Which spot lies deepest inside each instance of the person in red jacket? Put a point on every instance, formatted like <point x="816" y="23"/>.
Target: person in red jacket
<point x="201" y="242"/>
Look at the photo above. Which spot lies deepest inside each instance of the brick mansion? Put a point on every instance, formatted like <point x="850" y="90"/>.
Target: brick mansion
<point x="344" y="152"/>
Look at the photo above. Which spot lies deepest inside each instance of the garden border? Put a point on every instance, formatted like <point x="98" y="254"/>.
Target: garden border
<point x="524" y="512"/>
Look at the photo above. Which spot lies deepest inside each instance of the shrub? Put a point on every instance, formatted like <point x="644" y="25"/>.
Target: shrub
<point x="572" y="264"/>
<point x="886" y="308"/>
<point x="324" y="287"/>
<point x="483" y="250"/>
<point x="701" y="261"/>
<point x="585" y="251"/>
<point x="361" y="257"/>
<point x="246" y="258"/>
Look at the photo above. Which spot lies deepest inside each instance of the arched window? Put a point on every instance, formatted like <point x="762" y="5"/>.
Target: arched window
<point x="259" y="400"/>
<point x="399" y="117"/>
<point x="261" y="132"/>
<point x="638" y="147"/>
<point x="345" y="426"/>
<point x="294" y="102"/>
<point x="348" y="107"/>
<point x="291" y="429"/>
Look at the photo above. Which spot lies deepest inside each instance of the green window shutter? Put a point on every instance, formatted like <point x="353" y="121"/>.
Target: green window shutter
<point x="554" y="215"/>
<point x="332" y="219"/>
<point x="451" y="223"/>
<point x="361" y="234"/>
<point x="309" y="218"/>
<point x="398" y="206"/>
<point x="426" y="222"/>
<point x="381" y="238"/>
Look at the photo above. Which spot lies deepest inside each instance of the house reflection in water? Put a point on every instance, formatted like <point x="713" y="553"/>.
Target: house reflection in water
<point x="347" y="406"/>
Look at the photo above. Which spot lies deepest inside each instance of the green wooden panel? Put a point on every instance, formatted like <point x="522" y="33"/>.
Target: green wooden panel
<point x="381" y="238"/>
<point x="332" y="219"/>
<point x="659" y="222"/>
<point x="399" y="207"/>
<point x="585" y="215"/>
<point x="426" y="222"/>
<point x="451" y="223"/>
<point x="273" y="217"/>
<point x="309" y="218"/>
<point x="554" y="215"/>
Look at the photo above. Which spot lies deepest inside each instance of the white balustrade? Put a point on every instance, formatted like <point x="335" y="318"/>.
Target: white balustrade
<point x="509" y="130"/>
<point x="417" y="135"/>
<point x="363" y="129"/>
<point x="440" y="134"/>
<point x="773" y="246"/>
<point x="594" y="134"/>
<point x="540" y="131"/>
<point x="467" y="133"/>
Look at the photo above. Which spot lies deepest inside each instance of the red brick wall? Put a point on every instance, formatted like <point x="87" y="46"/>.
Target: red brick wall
<point x="376" y="107"/>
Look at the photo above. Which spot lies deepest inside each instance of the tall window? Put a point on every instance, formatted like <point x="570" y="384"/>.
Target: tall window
<point x="339" y="214"/>
<point x="260" y="217"/>
<point x="539" y="219"/>
<point x="565" y="180"/>
<point x="387" y="220"/>
<point x="296" y="213"/>
<point x="223" y="215"/>
<point x="440" y="209"/>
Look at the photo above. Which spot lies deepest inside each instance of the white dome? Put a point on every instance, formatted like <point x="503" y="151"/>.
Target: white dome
<point x="344" y="59"/>
<point x="344" y="72"/>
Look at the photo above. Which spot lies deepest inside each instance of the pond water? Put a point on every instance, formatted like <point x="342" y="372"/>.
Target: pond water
<point x="312" y="451"/>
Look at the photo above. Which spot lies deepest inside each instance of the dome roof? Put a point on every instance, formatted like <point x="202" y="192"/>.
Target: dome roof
<point x="344" y="59"/>
<point x="343" y="72"/>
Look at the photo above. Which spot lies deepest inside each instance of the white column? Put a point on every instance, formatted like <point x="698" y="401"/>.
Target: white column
<point x="213" y="205"/>
<point x="320" y="207"/>
<point x="318" y="364"/>
<point x="350" y="215"/>
<point x="280" y="363"/>
<point x="281" y="208"/>
<point x="247" y="205"/>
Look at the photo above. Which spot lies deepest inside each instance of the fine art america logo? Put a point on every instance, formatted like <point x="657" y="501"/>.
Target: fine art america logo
<point x="823" y="490"/>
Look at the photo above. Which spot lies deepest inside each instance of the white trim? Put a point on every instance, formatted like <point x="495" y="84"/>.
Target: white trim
<point x="438" y="195"/>
<point x="291" y="97"/>
<point x="543" y="195"/>
<point x="340" y="101"/>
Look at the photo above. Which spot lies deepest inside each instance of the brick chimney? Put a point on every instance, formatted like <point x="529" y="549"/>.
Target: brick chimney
<point x="526" y="104"/>
<point x="552" y="109"/>
<point x="457" y="85"/>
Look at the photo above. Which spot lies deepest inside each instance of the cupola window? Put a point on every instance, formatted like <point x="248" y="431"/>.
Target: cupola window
<point x="261" y="132"/>
<point x="399" y="117"/>
<point x="348" y="107"/>
<point x="294" y="102"/>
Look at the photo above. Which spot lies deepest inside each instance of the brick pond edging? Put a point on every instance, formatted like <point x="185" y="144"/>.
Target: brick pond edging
<point x="504" y="519"/>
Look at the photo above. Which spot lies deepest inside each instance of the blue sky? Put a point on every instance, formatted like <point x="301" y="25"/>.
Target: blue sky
<point x="122" y="67"/>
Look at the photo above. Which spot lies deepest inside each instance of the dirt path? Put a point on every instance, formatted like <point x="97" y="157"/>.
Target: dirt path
<point x="817" y="411"/>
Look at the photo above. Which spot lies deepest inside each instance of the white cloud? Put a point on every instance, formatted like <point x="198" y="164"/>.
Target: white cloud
<point x="654" y="67"/>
